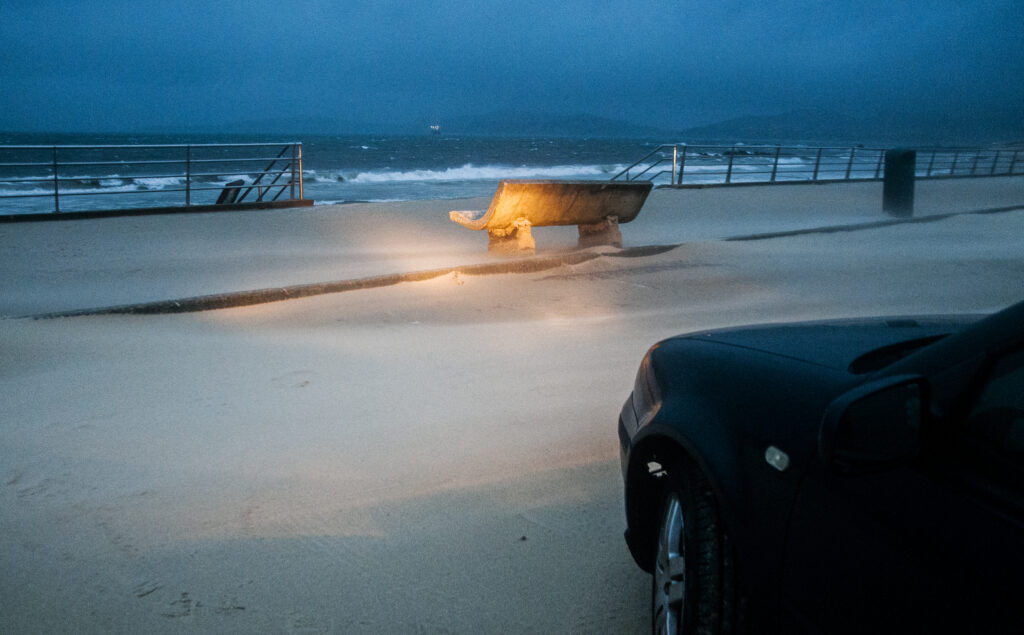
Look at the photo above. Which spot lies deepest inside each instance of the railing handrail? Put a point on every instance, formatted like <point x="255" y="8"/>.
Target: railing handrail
<point x="212" y="188"/>
<point x="267" y="169"/>
<point x="123" y="162"/>
<point x="647" y="156"/>
<point x="148" y="145"/>
<point x="124" y="177"/>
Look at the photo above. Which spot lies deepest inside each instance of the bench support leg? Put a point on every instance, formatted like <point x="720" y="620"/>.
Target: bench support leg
<point x="605" y="232"/>
<point x="515" y="239"/>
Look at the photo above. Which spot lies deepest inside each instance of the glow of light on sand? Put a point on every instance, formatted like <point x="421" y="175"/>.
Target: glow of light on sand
<point x="324" y="506"/>
<point x="400" y="243"/>
<point x="570" y="320"/>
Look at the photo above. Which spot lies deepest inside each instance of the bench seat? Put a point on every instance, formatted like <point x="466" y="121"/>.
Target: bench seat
<point x="596" y="207"/>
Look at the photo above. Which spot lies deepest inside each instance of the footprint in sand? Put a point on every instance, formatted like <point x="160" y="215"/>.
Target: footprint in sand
<point x="295" y="379"/>
<point x="182" y="607"/>
<point x="145" y="588"/>
<point x="301" y="624"/>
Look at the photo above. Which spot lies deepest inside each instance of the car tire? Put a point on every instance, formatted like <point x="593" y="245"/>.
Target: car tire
<point x="693" y="587"/>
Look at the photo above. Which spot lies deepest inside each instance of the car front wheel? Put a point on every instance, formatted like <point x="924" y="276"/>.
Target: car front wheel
<point x="692" y="586"/>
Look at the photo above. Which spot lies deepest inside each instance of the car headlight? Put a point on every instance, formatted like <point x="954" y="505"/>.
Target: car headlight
<point x="646" y="392"/>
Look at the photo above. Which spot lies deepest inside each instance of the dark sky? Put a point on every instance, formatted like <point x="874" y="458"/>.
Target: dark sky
<point x="106" y="65"/>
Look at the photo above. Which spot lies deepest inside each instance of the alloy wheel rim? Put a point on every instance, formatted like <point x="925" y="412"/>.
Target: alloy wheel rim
<point x="670" y="570"/>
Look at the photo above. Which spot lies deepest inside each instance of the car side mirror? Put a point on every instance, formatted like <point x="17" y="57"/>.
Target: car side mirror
<point x="874" y="426"/>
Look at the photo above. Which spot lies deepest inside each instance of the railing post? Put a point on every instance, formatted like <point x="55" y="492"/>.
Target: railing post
<point x="995" y="162"/>
<point x="56" y="184"/>
<point x="675" y="158"/>
<point x="952" y="170"/>
<point x="728" y="172"/>
<point x="188" y="175"/>
<point x="931" y="162"/>
<point x="302" y="196"/>
<point x="974" y="165"/>
<point x="878" y="168"/>
<point x="682" y="166"/>
<point x="817" y="164"/>
<point x="1013" y="162"/>
<point x="849" y="166"/>
<point x="775" y="163"/>
<point x="294" y="160"/>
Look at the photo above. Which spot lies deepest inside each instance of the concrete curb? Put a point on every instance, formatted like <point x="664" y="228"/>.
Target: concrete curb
<point x="832" y="229"/>
<point x="277" y="294"/>
<point x="46" y="217"/>
<point x="525" y="265"/>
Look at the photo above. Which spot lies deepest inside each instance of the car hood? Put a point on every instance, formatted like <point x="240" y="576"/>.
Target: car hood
<point x="859" y="346"/>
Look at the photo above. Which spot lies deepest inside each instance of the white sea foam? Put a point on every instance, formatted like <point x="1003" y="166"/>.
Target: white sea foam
<point x="319" y="202"/>
<point x="224" y="180"/>
<point x="470" y="172"/>
<point x="25" y="192"/>
<point x="707" y="167"/>
<point x="93" y="180"/>
<point x="105" y="184"/>
<point x="124" y="187"/>
<point x="159" y="183"/>
<point x="327" y="176"/>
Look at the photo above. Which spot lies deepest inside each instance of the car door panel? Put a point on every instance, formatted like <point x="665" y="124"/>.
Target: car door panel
<point x="932" y="545"/>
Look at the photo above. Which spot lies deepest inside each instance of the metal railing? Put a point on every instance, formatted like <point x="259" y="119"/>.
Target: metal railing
<point x="967" y="162"/>
<point x="728" y="165"/>
<point x="164" y="175"/>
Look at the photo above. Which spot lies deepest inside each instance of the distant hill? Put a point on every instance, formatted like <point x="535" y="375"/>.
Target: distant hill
<point x="283" y="125"/>
<point x="810" y="126"/>
<point x="519" y="124"/>
<point x="496" y="124"/>
<point x="879" y="129"/>
<point x="806" y="126"/>
<point x="794" y="126"/>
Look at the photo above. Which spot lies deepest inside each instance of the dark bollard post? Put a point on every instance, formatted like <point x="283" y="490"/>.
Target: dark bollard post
<point x="898" y="182"/>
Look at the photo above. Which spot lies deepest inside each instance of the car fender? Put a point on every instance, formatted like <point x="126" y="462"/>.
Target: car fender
<point x="705" y="416"/>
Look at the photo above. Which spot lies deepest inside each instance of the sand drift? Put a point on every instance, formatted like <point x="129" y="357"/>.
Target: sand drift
<point x="435" y="455"/>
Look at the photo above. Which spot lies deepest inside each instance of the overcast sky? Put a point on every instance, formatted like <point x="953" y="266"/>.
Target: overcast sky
<point x="130" y="64"/>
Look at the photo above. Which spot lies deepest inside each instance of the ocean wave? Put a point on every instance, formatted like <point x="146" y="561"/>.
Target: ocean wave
<point x="35" y="191"/>
<point x="110" y="184"/>
<point x="318" y="202"/>
<point x="324" y="176"/>
<point x="159" y="183"/>
<point x="470" y="172"/>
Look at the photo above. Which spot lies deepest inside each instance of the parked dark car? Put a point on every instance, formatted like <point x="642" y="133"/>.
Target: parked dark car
<point x="856" y="476"/>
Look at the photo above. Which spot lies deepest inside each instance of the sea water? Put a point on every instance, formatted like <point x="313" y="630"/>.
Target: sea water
<point x="348" y="169"/>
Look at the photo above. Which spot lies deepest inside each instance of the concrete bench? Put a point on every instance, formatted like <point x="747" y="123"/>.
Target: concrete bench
<point x="596" y="207"/>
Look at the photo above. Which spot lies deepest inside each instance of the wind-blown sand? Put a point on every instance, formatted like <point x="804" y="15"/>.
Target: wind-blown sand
<point x="435" y="457"/>
<point x="50" y="267"/>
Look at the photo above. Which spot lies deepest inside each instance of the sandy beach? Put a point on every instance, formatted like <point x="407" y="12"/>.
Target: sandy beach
<point x="427" y="457"/>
